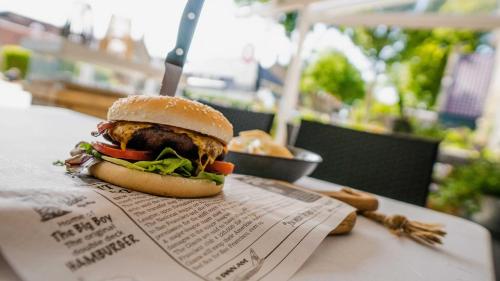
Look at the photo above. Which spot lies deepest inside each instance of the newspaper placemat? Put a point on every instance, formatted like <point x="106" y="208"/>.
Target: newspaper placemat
<point x="59" y="227"/>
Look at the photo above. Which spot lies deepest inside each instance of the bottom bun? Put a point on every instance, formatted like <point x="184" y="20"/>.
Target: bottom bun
<point x="154" y="183"/>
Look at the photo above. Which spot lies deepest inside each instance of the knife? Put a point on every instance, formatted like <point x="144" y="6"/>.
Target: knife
<point x="176" y="58"/>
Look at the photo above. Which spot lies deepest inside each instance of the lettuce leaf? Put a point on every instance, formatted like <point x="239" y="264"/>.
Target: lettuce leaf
<point x="87" y="147"/>
<point x="167" y="166"/>
<point x="218" y="179"/>
<point x="168" y="151"/>
<point x="175" y="165"/>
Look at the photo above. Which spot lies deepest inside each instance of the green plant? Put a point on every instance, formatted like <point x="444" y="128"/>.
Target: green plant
<point x="310" y="115"/>
<point x="435" y="131"/>
<point x="15" y="57"/>
<point x="459" y="138"/>
<point x="379" y="113"/>
<point x="460" y="192"/>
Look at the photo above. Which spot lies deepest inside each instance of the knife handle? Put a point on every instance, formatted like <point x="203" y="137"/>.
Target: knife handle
<point x="187" y="26"/>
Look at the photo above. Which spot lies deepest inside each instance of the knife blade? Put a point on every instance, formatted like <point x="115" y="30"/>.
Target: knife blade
<point x="177" y="57"/>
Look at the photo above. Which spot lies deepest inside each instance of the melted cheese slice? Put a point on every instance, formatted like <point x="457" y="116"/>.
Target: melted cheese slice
<point x="207" y="146"/>
<point x="123" y="131"/>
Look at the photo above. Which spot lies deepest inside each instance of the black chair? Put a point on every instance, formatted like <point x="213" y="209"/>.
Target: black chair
<point x="395" y="166"/>
<point x="243" y="120"/>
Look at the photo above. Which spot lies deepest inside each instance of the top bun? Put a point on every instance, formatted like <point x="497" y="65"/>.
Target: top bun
<point x="173" y="111"/>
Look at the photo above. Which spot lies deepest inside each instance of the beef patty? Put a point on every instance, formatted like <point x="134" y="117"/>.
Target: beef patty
<point x="157" y="137"/>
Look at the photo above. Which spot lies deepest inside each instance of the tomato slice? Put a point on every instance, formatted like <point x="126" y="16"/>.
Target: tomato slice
<point x="116" y="152"/>
<point x="221" y="167"/>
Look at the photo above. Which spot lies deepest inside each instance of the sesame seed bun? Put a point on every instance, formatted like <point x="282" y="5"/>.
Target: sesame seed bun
<point x="156" y="184"/>
<point x="173" y="111"/>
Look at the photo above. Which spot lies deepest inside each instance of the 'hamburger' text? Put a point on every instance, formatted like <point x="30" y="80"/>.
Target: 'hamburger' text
<point x="102" y="253"/>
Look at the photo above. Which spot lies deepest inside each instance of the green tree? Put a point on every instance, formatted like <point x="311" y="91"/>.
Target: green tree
<point x="426" y="55"/>
<point x="334" y="74"/>
<point x="381" y="45"/>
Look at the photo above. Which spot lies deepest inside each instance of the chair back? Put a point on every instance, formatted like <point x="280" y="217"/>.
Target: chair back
<point x="243" y="120"/>
<point x="395" y="166"/>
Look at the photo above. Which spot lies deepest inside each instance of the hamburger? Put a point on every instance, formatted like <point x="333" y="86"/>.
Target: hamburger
<point x="167" y="146"/>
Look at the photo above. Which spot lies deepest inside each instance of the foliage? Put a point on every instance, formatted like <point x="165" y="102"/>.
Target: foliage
<point x="379" y="113"/>
<point x="460" y="192"/>
<point x="379" y="44"/>
<point x="380" y="109"/>
<point x="289" y="21"/>
<point x="434" y="131"/>
<point x="427" y="55"/>
<point x="15" y="57"/>
<point x="426" y="69"/>
<point x="424" y="52"/>
<point x="334" y="74"/>
<point x="460" y="137"/>
<point x="310" y="115"/>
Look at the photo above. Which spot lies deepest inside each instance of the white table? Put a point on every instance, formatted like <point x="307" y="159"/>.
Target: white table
<point x="41" y="135"/>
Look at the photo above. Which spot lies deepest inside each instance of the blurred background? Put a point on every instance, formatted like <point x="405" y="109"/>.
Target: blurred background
<point x="424" y="69"/>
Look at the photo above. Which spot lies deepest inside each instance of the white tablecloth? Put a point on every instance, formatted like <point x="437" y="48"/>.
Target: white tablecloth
<point x="41" y="135"/>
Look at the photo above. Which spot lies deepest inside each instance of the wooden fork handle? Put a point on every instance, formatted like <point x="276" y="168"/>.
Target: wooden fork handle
<point x="360" y="200"/>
